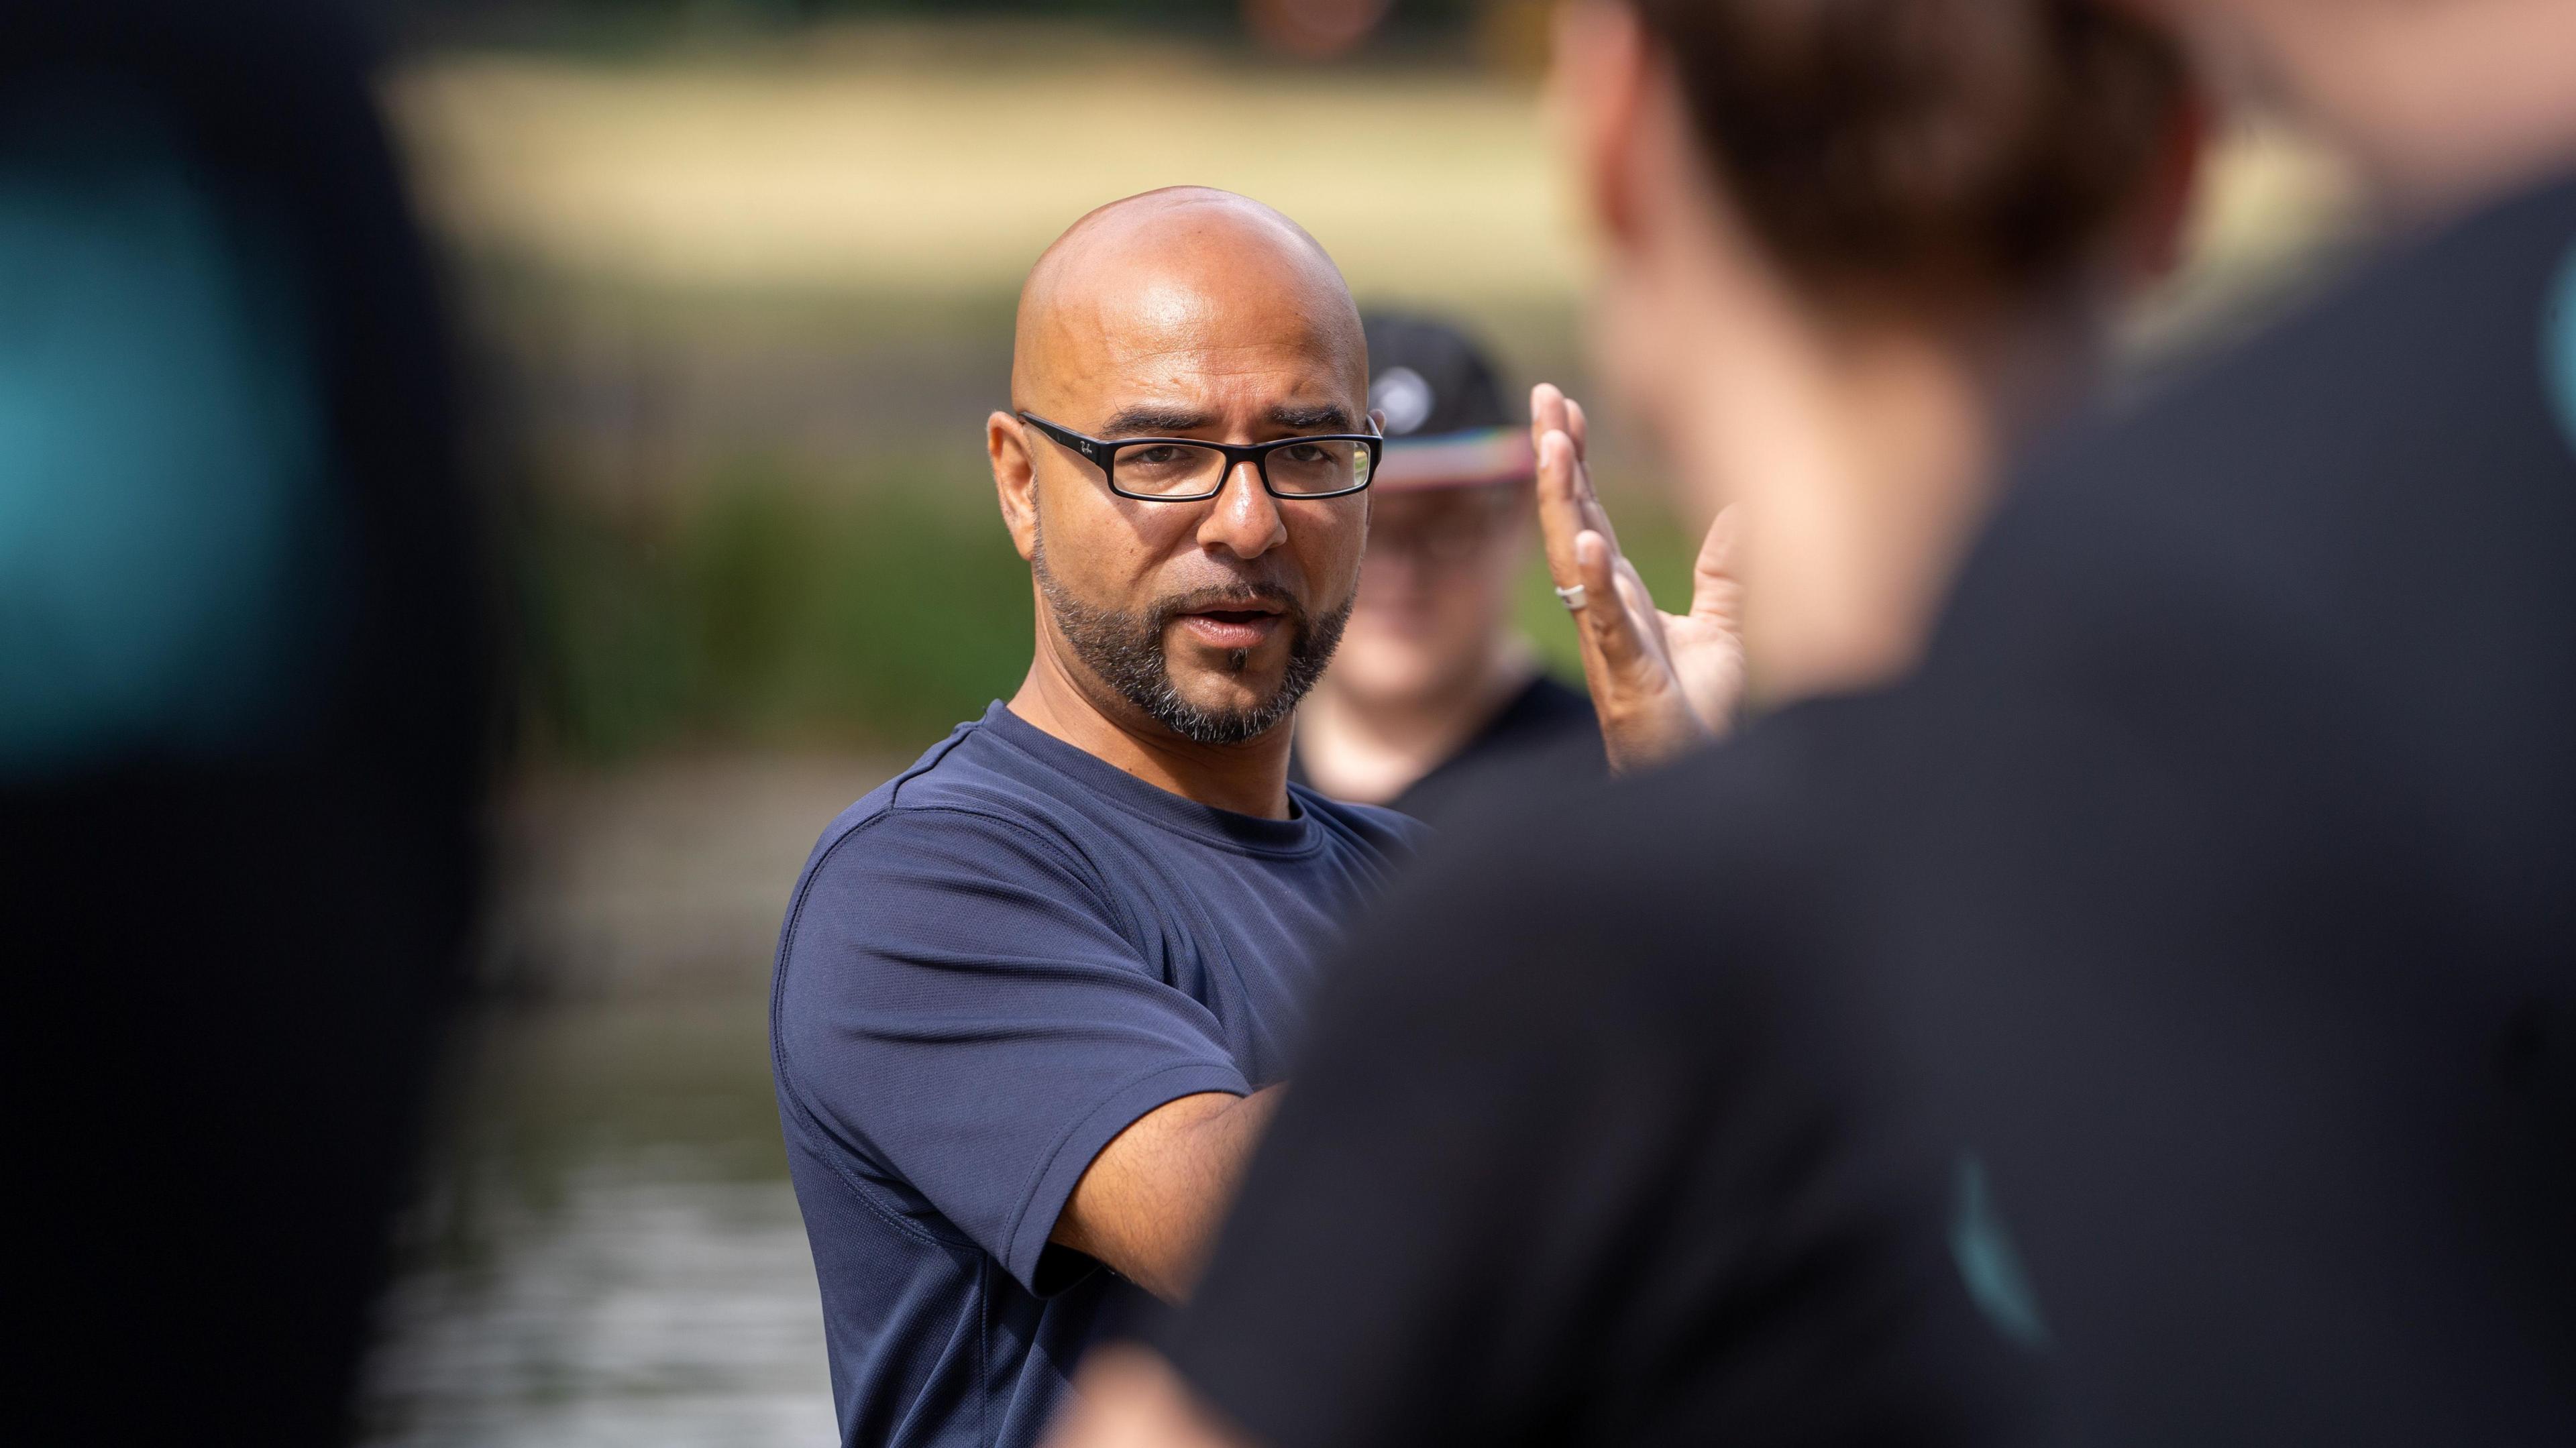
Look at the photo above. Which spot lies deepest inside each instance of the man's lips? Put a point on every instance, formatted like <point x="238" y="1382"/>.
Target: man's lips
<point x="1232" y="628"/>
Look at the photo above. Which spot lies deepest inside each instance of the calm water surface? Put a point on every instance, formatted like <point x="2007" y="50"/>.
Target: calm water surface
<point x="608" y="1251"/>
<point x="613" y="1255"/>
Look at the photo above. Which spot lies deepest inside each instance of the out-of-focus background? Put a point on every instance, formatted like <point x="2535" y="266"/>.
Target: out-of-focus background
<point x="739" y="276"/>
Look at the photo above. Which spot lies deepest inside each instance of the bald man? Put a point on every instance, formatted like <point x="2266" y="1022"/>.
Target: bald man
<point x="1033" y="995"/>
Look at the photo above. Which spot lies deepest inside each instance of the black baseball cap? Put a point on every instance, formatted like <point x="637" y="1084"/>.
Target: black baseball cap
<point x="1446" y="422"/>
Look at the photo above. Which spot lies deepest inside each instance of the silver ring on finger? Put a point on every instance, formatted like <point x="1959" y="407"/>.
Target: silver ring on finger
<point x="1573" y="597"/>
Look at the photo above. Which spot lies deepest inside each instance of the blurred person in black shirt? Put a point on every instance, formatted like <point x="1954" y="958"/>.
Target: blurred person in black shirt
<point x="2151" y="1024"/>
<point x="243" y="713"/>
<point x="1435" y="702"/>
<point x="2236" y="904"/>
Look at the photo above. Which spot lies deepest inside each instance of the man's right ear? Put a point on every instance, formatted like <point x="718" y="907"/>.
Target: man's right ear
<point x="1015" y="479"/>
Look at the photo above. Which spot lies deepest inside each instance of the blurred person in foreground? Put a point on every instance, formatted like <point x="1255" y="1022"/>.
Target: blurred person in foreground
<point x="244" y="713"/>
<point x="1435" y="701"/>
<point x="2176" y="970"/>
<point x="1034" y="995"/>
<point x="1585" y="1149"/>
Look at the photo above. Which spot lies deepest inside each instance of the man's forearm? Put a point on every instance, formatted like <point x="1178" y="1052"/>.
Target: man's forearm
<point x="1152" y="1201"/>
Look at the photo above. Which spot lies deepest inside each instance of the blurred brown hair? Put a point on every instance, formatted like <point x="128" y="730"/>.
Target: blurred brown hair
<point x="1910" y="150"/>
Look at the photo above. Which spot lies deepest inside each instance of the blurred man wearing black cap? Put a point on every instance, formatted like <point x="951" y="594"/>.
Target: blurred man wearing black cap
<point x="1435" y="698"/>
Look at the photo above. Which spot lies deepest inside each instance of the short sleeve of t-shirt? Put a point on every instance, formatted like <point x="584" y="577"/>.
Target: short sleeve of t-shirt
<point x="957" y="1004"/>
<point x="1582" y="1150"/>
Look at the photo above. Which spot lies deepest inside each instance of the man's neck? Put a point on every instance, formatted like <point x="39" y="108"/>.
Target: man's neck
<point x="1248" y="778"/>
<point x="1371" y="749"/>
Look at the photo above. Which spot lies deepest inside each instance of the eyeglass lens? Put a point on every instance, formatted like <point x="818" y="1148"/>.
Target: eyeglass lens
<point x="1324" y="465"/>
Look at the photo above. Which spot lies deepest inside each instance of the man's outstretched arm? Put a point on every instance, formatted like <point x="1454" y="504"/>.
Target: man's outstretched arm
<point x="1151" y="1202"/>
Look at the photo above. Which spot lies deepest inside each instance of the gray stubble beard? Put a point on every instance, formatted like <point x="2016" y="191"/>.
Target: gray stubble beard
<point x="1126" y="651"/>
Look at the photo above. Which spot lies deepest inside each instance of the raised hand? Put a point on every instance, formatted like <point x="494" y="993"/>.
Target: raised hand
<point x="1661" y="682"/>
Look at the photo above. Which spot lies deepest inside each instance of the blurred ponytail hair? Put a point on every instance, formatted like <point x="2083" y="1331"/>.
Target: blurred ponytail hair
<point x="1921" y="152"/>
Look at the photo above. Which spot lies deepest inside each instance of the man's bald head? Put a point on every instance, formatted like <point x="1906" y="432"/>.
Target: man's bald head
<point x="1188" y="276"/>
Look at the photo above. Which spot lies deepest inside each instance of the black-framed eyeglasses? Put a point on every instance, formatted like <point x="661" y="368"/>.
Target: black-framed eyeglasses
<point x="1187" y="470"/>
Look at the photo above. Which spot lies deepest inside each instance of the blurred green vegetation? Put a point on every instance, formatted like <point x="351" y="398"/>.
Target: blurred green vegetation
<point x="769" y="610"/>
<point x="780" y="608"/>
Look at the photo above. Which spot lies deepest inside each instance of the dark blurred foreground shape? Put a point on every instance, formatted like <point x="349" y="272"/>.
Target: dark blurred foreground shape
<point x="2151" y="1024"/>
<point x="242" y="712"/>
<point x="2238" y="894"/>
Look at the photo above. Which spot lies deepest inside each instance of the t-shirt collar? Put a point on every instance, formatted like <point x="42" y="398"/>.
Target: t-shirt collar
<point x="1098" y="777"/>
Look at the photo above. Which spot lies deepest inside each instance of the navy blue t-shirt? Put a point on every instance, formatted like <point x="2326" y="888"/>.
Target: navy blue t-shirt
<point x="992" y="965"/>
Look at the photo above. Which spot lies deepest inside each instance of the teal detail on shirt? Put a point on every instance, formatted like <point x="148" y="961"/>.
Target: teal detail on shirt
<point x="1988" y="1263"/>
<point x="162" y="452"/>
<point x="2558" y="345"/>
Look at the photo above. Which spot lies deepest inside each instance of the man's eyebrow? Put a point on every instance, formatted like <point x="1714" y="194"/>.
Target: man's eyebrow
<point x="1322" y="416"/>
<point x="1150" y="421"/>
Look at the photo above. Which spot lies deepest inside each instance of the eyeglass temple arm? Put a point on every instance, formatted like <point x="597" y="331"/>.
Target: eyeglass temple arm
<point x="1089" y="447"/>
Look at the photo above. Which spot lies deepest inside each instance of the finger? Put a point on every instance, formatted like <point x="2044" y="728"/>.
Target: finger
<point x="1547" y="411"/>
<point x="1560" y="514"/>
<point x="1564" y="512"/>
<point x="1595" y="517"/>
<point x="1548" y="415"/>
<point x="1639" y="595"/>
<point x="1609" y="614"/>
<point x="1633" y="596"/>
<point x="1716" y="592"/>
<point x="1645" y="717"/>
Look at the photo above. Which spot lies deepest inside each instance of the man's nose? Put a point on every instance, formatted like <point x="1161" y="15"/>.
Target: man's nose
<point x="1244" y="519"/>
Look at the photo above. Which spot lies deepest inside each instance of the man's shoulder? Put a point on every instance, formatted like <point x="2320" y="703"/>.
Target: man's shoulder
<point x="956" y="804"/>
<point x="935" y="859"/>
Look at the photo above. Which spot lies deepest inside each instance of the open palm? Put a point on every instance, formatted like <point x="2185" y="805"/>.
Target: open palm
<point x="1661" y="682"/>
